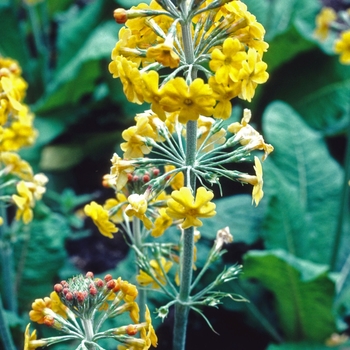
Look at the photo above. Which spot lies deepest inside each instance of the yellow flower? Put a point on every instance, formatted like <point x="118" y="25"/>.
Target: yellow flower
<point x="253" y="72"/>
<point x="16" y="165"/>
<point x="144" y="279"/>
<point x="248" y="136"/>
<point x="150" y="337"/>
<point x="342" y="47"/>
<point x="177" y="180"/>
<point x="164" y="53"/>
<point x="152" y="94"/>
<point x="204" y="127"/>
<point x="323" y="21"/>
<point x="40" y="310"/>
<point x="24" y="202"/>
<point x="256" y="181"/>
<point x="135" y="147"/>
<point x="190" y="101"/>
<point x="224" y="93"/>
<point x="183" y="205"/>
<point x="130" y="77"/>
<point x="100" y="218"/>
<point x="1" y="221"/>
<point x="11" y="93"/>
<point x="112" y="203"/>
<point x="120" y="170"/>
<point x="57" y="306"/>
<point x="137" y="207"/>
<point x="30" y="341"/>
<point x="162" y="222"/>
<point x="227" y="63"/>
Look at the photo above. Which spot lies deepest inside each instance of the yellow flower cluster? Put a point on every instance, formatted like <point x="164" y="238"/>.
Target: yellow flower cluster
<point x="330" y="21"/>
<point x="16" y="132"/>
<point x="231" y="42"/>
<point x="87" y="298"/>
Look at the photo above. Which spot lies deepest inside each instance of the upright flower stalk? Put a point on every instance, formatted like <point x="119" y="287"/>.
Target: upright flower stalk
<point x="187" y="60"/>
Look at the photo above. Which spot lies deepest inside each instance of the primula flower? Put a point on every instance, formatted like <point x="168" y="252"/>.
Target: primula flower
<point x="57" y="306"/>
<point x="112" y="203"/>
<point x="100" y="218"/>
<point x="164" y="53"/>
<point x="252" y="73"/>
<point x="177" y="180"/>
<point x="183" y="205"/>
<point x="144" y="279"/>
<point x="342" y="47"/>
<point x="248" y="136"/>
<point x="135" y="146"/>
<point x="30" y="340"/>
<point x="152" y="94"/>
<point x="204" y="127"/>
<point x="138" y="207"/>
<point x="150" y="336"/>
<point x="25" y="203"/>
<point x="224" y="93"/>
<point x="120" y="170"/>
<point x="227" y="63"/>
<point x="190" y="101"/>
<point x="17" y="166"/>
<point x="162" y="222"/>
<point x="323" y="21"/>
<point x="40" y="309"/>
<point x="130" y="77"/>
<point x="256" y="181"/>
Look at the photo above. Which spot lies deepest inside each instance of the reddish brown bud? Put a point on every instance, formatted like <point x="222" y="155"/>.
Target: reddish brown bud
<point x="65" y="291"/>
<point x="108" y="278"/>
<point x="146" y="178"/>
<point x="93" y="291"/>
<point x="80" y="296"/>
<point x="131" y="329"/>
<point x="111" y="284"/>
<point x="58" y="288"/>
<point x="65" y="284"/>
<point x="99" y="283"/>
<point x="49" y="320"/>
<point x="130" y="177"/>
<point x="156" y="172"/>
<point x="135" y="178"/>
<point x="69" y="296"/>
<point x="120" y="15"/>
<point x="89" y="274"/>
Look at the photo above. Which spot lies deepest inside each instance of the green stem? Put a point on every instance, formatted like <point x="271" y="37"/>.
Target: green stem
<point x="142" y="296"/>
<point x="7" y="265"/>
<point x="5" y="334"/>
<point x="344" y="207"/>
<point x="182" y="307"/>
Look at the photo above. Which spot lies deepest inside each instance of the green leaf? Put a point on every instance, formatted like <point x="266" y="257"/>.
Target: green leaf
<point x="238" y="213"/>
<point x="75" y="28"/>
<point x="128" y="3"/>
<point x="303" y="293"/>
<point x="39" y="255"/>
<point x="303" y="185"/>
<point x="284" y="47"/>
<point x="306" y="346"/>
<point x="12" y="44"/>
<point x="79" y="76"/>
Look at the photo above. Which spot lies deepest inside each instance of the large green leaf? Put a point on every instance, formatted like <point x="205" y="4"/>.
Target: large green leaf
<point x="238" y="213"/>
<point x="303" y="293"/>
<point x="307" y="346"/>
<point x="303" y="184"/>
<point x="79" y="76"/>
<point x="39" y="255"/>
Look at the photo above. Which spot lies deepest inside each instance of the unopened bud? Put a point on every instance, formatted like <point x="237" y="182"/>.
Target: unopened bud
<point x="120" y="15"/>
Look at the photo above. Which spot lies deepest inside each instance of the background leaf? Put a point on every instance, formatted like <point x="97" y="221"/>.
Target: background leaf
<point x="303" y="183"/>
<point x="303" y="293"/>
